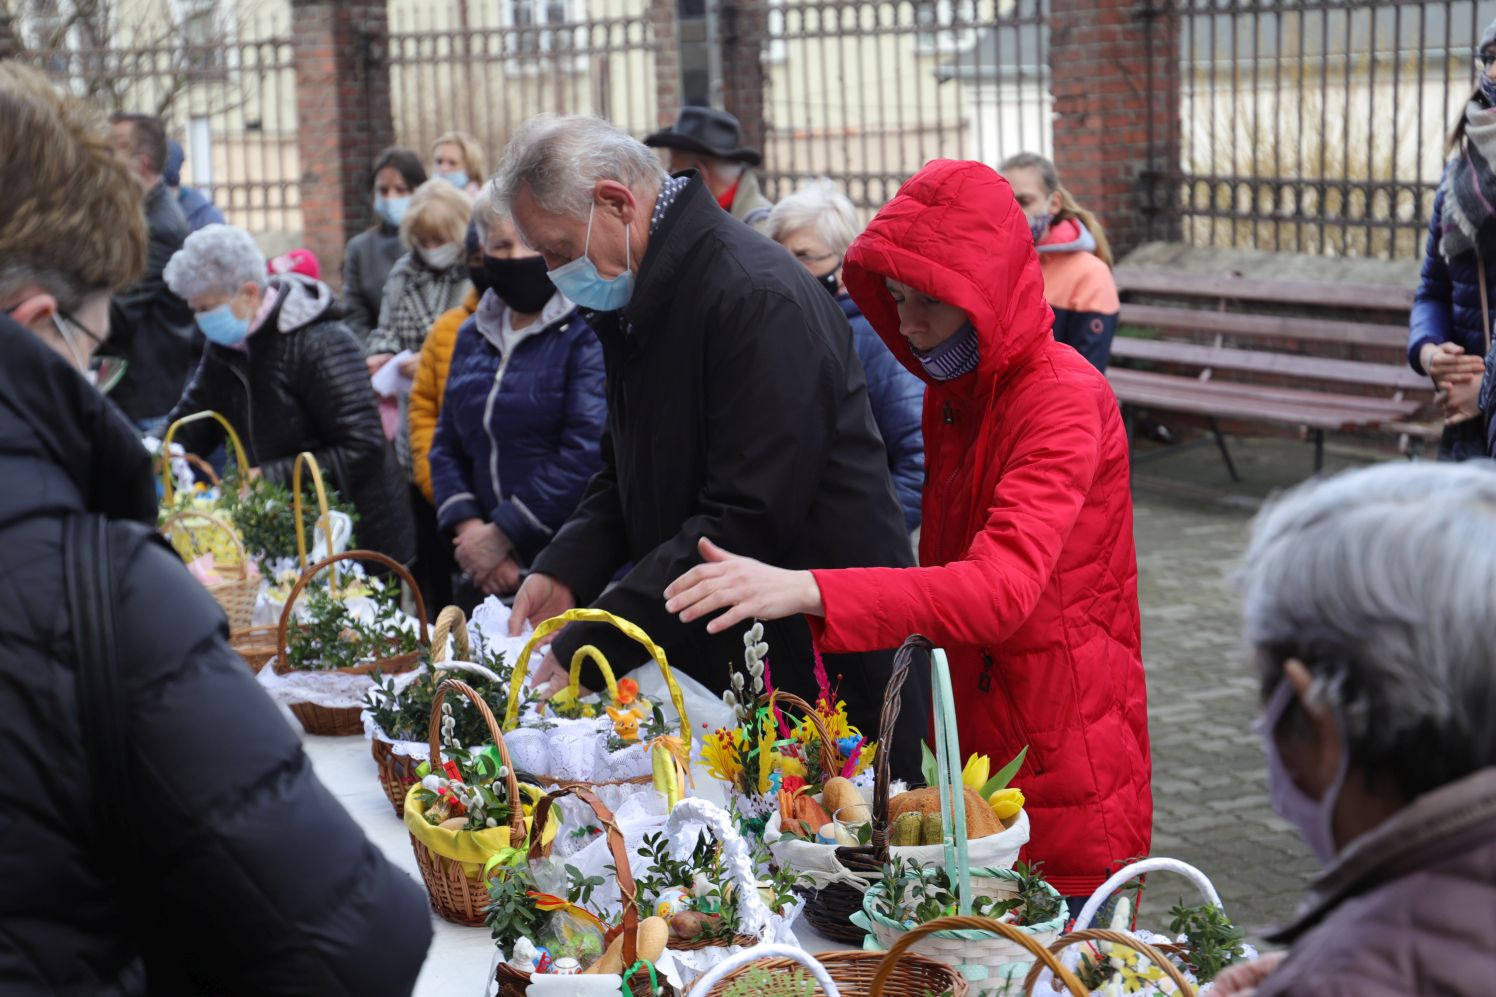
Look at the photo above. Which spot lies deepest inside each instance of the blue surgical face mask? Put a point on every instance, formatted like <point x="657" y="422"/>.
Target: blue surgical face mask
<point x="580" y="281"/>
<point x="458" y="179"/>
<point x="222" y="326"/>
<point x="391" y="209"/>
<point x="1314" y="818"/>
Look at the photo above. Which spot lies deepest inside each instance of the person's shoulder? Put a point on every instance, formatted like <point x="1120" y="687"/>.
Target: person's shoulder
<point x="1079" y="282"/>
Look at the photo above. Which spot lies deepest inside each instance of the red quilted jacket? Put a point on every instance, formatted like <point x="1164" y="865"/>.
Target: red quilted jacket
<point x="1029" y="577"/>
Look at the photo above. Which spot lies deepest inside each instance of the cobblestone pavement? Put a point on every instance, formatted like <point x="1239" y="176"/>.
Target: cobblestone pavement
<point x="1209" y="774"/>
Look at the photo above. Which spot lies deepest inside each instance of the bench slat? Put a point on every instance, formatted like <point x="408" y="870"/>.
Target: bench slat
<point x="1266" y="326"/>
<point x="1325" y="294"/>
<point x="1392" y="376"/>
<point x="1255" y="402"/>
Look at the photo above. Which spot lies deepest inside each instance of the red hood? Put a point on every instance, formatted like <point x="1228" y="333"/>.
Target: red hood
<point x="955" y="232"/>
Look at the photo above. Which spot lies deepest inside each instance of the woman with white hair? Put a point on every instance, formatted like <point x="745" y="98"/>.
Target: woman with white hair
<point x="817" y="224"/>
<point x="1371" y="625"/>
<point x="289" y="376"/>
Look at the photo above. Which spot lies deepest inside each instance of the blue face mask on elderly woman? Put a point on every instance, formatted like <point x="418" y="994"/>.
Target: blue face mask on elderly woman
<point x="220" y="325"/>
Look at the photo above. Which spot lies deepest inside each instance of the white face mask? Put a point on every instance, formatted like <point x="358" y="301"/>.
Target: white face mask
<point x="443" y="257"/>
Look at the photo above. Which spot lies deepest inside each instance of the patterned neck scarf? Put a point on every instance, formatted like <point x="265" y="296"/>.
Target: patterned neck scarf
<point x="1470" y="187"/>
<point x="952" y="358"/>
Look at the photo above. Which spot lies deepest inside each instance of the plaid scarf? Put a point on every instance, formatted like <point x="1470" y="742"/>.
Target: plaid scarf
<point x="1469" y="187"/>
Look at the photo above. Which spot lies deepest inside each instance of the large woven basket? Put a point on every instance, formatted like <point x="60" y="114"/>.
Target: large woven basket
<point x="1156" y="955"/>
<point x="397" y="773"/>
<point x="853" y="974"/>
<point x="969" y="926"/>
<point x="455" y="894"/>
<point x="345" y="721"/>
<point x="237" y="588"/>
<point x="512" y="981"/>
<point x="585" y="653"/>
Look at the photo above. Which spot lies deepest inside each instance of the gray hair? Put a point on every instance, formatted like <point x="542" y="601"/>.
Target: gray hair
<point x="1381" y="582"/>
<point x="561" y="159"/>
<point x="486" y="214"/>
<point x="216" y="259"/>
<point x="820" y="206"/>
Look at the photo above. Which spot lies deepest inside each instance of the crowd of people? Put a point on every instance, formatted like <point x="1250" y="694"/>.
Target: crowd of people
<point x="587" y="379"/>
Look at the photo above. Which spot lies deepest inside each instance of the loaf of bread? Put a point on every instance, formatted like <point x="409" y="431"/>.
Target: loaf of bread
<point x="980" y="820"/>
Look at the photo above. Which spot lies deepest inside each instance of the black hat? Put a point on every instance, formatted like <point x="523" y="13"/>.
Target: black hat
<point x="708" y="131"/>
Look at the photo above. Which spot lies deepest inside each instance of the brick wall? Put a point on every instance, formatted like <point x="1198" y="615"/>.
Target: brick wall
<point x="1115" y="72"/>
<point x="743" y="27"/>
<point x="667" y="61"/>
<point x="343" y="118"/>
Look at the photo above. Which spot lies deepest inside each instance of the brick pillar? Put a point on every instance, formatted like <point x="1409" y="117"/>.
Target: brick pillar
<point x="8" y="45"/>
<point x="1114" y="70"/>
<point x="666" y="27"/>
<point x="744" y="28"/>
<point x="343" y="119"/>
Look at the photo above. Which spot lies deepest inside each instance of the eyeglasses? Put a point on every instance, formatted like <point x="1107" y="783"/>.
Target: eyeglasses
<point x="805" y="257"/>
<point x="105" y="372"/>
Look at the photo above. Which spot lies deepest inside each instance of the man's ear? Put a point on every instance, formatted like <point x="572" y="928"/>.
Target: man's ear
<point x="616" y="199"/>
<point x="36" y="307"/>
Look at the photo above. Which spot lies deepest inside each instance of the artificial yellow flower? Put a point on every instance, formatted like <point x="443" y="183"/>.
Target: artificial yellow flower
<point x="976" y="773"/>
<point x="836" y="719"/>
<point x="865" y="758"/>
<point x="723" y="756"/>
<point x="790" y="765"/>
<point x="766" y="734"/>
<point x="1006" y="803"/>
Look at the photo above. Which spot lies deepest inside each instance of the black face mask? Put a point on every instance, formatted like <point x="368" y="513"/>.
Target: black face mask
<point x="829" y="281"/>
<point x="479" y="276"/>
<point x="522" y="284"/>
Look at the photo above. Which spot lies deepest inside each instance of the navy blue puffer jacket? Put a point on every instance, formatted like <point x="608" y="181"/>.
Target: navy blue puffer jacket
<point x="1447" y="306"/>
<point x="897" y="398"/>
<point x="519" y="437"/>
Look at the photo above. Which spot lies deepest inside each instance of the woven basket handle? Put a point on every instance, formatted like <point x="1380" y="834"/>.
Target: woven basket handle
<point x="324" y="518"/>
<point x="736" y="856"/>
<point x="948" y="767"/>
<point x="903" y="661"/>
<point x="589" y="653"/>
<point x="183" y="515"/>
<point x="350" y="555"/>
<point x="511" y="781"/>
<point x="550" y="626"/>
<point x="1129" y="873"/>
<point x="719" y="972"/>
<point x="1042" y="956"/>
<point x="831" y="759"/>
<point x="1121" y="938"/>
<point x="626" y="887"/>
<point x="451" y="622"/>
<point x="167" y="490"/>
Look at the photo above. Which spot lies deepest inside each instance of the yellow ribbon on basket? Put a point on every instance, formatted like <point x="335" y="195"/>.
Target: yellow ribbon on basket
<point x="473" y="849"/>
<point x="550" y="626"/>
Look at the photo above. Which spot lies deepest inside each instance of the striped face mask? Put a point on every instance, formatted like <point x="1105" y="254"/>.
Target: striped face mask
<point x="952" y="358"/>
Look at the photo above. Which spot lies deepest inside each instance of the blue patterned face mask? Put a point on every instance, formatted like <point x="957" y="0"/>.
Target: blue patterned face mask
<point x="1488" y="88"/>
<point x="1039" y="227"/>
<point x="952" y="358"/>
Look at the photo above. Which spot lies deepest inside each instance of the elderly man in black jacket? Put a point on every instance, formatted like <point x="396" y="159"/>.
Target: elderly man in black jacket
<point x="161" y="830"/>
<point x="737" y="412"/>
<point x="151" y="328"/>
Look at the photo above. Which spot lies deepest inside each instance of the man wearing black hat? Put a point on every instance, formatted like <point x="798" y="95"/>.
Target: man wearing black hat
<point x="711" y="142"/>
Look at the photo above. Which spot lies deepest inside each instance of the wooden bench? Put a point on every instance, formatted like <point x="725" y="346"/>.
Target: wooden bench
<point x="1232" y="353"/>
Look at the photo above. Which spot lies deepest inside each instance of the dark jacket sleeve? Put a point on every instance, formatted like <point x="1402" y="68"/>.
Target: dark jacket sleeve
<point x="587" y="551"/>
<point x="771" y="423"/>
<point x="897" y="398"/>
<point x="356" y="311"/>
<point x="1431" y="318"/>
<point x="206" y="391"/>
<point x="451" y="464"/>
<point x="536" y="507"/>
<point x="261" y="880"/>
<point x="332" y="388"/>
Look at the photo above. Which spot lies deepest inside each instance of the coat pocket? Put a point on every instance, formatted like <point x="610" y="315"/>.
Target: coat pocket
<point x="991" y="673"/>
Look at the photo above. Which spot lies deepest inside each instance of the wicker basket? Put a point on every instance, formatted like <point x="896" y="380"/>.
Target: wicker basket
<point x="168" y="486"/>
<point x="854" y="972"/>
<point x="588" y="652"/>
<point x="455" y="894"/>
<point x="512" y="981"/>
<point x="256" y="645"/>
<point x="236" y="593"/>
<point x="969" y="926"/>
<point x="345" y="721"/>
<point x="1155" y="955"/>
<point x="397" y="773"/>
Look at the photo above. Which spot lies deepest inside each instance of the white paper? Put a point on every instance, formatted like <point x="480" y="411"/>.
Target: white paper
<point x="388" y="381"/>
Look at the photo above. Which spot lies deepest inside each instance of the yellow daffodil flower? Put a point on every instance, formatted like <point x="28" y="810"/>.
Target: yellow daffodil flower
<point x="976" y="773"/>
<point x="722" y="754"/>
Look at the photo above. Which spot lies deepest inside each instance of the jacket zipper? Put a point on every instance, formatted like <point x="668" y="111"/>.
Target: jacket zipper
<point x="493" y="443"/>
<point x="984" y="683"/>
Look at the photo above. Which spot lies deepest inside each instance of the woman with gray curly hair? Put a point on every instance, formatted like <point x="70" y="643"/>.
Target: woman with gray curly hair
<point x="1370" y="621"/>
<point x="288" y="374"/>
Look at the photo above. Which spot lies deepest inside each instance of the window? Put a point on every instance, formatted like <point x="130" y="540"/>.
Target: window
<point x="202" y="37"/>
<point x="945" y="25"/>
<point x="543" y="31"/>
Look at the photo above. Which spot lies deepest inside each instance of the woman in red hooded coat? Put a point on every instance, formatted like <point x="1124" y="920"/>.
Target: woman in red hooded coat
<point x="1028" y="573"/>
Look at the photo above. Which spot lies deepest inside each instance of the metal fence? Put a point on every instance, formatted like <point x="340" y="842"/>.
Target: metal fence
<point x="484" y="68"/>
<point x="868" y="92"/>
<point x="1316" y="126"/>
<point x="226" y="89"/>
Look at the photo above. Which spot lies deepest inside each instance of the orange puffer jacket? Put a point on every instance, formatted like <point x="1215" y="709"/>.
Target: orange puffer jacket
<point x="430" y="383"/>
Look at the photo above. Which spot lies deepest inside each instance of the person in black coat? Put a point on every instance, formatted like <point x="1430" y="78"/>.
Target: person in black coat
<point x="193" y="851"/>
<point x="150" y="327"/>
<point x="737" y="412"/>
<point x="289" y="377"/>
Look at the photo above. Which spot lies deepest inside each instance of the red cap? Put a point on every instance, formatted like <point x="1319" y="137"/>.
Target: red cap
<point x="302" y="261"/>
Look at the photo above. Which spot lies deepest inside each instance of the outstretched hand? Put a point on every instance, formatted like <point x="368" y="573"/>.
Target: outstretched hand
<point x="539" y="598"/>
<point x="746" y="589"/>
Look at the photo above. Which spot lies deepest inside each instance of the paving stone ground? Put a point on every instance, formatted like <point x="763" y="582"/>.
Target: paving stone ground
<point x="1209" y="774"/>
